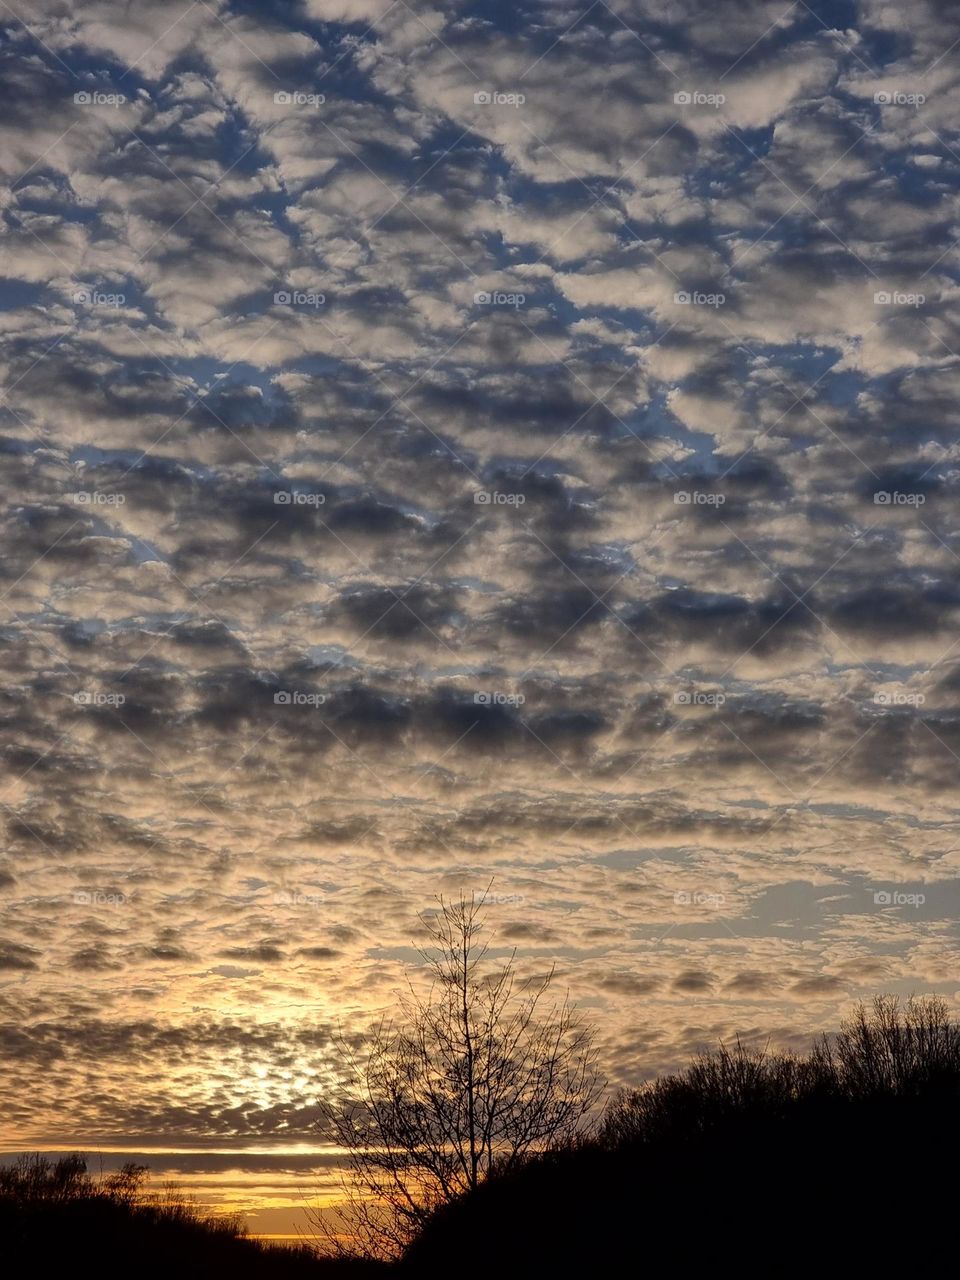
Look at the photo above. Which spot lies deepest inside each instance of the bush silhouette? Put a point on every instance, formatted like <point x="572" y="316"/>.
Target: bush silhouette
<point x="772" y="1163"/>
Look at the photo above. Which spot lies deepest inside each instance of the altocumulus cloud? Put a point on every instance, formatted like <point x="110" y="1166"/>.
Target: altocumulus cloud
<point x="443" y="444"/>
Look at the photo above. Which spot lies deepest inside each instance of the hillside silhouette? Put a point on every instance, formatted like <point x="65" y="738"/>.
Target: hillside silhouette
<point x="57" y="1220"/>
<point x="771" y="1164"/>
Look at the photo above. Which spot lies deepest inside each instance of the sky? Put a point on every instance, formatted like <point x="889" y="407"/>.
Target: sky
<point x="464" y="446"/>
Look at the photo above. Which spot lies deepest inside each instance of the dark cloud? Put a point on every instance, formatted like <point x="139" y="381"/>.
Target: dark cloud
<point x="692" y="981"/>
<point x="265" y="952"/>
<point x="16" y="957"/>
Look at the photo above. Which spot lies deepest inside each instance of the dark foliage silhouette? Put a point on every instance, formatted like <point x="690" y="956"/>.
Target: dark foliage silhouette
<point x="57" y="1220"/>
<point x="771" y="1163"/>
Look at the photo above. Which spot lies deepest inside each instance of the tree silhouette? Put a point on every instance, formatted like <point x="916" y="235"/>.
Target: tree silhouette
<point x="890" y="1049"/>
<point x="886" y="1049"/>
<point x="479" y="1073"/>
<point x="789" y="1158"/>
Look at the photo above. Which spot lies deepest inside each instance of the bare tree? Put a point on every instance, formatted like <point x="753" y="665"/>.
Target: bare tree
<point x="477" y="1074"/>
<point x="892" y="1049"/>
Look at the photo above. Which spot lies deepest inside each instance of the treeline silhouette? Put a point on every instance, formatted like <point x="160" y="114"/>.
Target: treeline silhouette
<point x="775" y="1164"/>
<point x="57" y="1220"/>
<point x="772" y="1164"/>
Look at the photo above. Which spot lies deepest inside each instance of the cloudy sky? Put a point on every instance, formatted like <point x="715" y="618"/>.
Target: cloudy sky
<point x="452" y="441"/>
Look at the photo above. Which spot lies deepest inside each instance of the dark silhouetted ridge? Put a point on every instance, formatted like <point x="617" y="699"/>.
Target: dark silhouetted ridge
<point x="767" y="1164"/>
